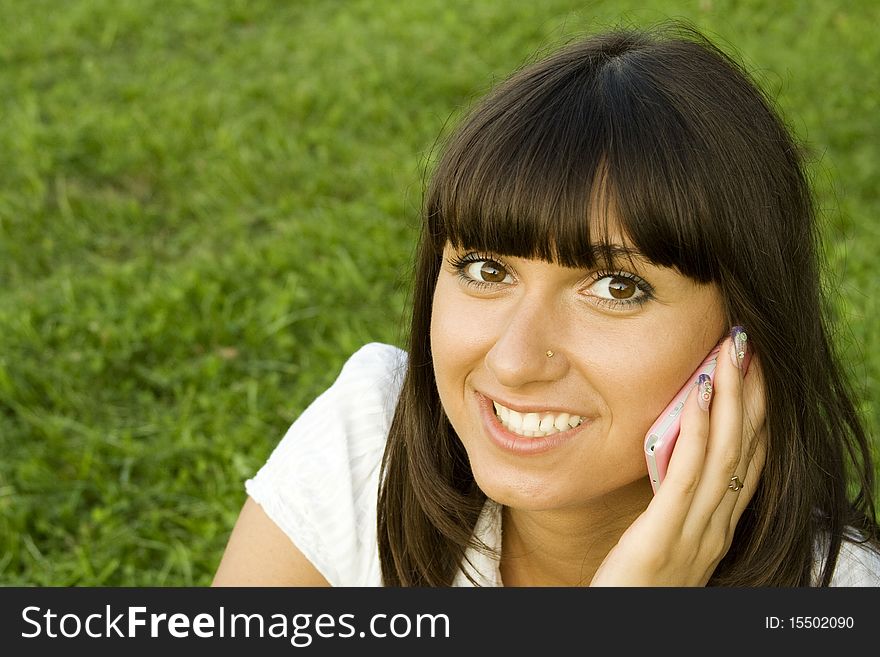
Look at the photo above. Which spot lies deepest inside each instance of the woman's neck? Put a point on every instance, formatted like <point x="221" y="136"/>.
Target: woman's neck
<point x="565" y="547"/>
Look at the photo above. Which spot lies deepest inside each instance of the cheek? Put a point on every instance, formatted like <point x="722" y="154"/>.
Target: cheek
<point x="634" y="386"/>
<point x="636" y="376"/>
<point x="443" y="330"/>
<point x="454" y="341"/>
<point x="460" y="332"/>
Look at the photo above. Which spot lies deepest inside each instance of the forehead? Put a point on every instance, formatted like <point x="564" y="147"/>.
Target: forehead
<point x="593" y="240"/>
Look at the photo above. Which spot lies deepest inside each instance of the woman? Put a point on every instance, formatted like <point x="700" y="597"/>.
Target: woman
<point x="595" y="227"/>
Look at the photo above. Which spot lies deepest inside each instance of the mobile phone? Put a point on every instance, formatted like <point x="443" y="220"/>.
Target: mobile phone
<point x="661" y="437"/>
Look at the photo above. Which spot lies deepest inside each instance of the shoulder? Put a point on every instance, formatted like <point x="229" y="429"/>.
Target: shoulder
<point x="377" y="353"/>
<point x="858" y="564"/>
<point x="355" y="411"/>
<point x="374" y="373"/>
<point x="369" y="383"/>
<point x="320" y="484"/>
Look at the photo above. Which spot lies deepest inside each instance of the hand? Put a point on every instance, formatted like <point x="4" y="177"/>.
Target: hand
<point x="690" y="522"/>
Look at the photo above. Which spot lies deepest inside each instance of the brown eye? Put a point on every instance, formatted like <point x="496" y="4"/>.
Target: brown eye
<point x="621" y="288"/>
<point x="492" y="272"/>
<point x="487" y="271"/>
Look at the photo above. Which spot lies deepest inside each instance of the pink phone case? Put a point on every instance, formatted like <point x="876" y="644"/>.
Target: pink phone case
<point x="662" y="435"/>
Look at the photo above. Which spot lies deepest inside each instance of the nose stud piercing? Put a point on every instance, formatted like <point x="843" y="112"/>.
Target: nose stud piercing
<point x="549" y="354"/>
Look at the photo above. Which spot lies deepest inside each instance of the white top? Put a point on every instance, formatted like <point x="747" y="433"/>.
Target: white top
<point x="320" y="484"/>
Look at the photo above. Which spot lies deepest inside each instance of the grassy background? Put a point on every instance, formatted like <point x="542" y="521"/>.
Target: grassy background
<point x="205" y="207"/>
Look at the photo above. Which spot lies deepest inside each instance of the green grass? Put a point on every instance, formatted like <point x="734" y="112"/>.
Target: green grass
<point x="206" y="206"/>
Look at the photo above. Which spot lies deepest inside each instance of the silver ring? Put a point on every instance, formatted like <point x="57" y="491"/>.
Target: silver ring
<point x="735" y="484"/>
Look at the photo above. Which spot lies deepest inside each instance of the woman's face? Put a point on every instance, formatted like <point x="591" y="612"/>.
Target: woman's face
<point x="623" y="342"/>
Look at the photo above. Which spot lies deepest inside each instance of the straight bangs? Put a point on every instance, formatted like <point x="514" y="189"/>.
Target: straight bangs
<point x="582" y="154"/>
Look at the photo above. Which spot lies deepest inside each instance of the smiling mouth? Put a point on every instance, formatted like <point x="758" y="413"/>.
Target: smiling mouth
<point x="535" y="425"/>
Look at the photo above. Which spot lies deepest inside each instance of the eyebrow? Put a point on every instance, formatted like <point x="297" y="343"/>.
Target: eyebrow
<point x="609" y="253"/>
<point x="615" y="251"/>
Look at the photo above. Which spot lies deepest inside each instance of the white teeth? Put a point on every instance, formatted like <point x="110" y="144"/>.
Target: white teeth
<point x="514" y="421"/>
<point x="531" y="422"/>
<point x="535" y="424"/>
<point x="561" y="421"/>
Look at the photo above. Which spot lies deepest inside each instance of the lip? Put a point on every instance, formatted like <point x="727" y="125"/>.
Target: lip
<point x="514" y="443"/>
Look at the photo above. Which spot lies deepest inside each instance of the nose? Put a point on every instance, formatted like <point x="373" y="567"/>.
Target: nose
<point x="530" y="347"/>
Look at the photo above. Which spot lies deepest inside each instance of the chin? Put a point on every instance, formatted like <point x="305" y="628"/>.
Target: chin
<point x="524" y="491"/>
<point x="519" y="490"/>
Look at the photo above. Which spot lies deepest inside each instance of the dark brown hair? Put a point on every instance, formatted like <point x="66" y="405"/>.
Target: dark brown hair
<point x="703" y="176"/>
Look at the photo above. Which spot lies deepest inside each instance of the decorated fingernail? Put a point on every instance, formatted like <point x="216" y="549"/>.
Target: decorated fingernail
<point x="704" y="391"/>
<point x="740" y="345"/>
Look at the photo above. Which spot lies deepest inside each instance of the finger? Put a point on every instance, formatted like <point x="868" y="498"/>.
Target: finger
<point x="754" y="404"/>
<point x="752" y="477"/>
<point x="741" y="489"/>
<point x="724" y="450"/>
<point x="752" y="418"/>
<point x="720" y="498"/>
<point x="668" y="511"/>
<point x="754" y="434"/>
<point x="723" y="524"/>
<point x="686" y="463"/>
